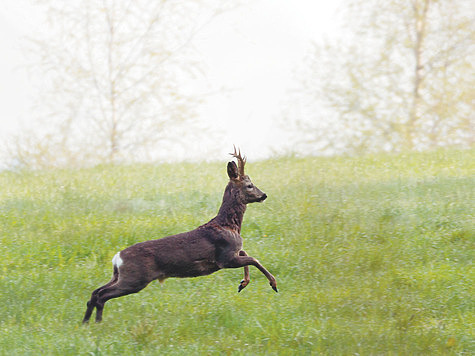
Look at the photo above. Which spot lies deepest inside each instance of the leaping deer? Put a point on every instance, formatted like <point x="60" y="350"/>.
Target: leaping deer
<point x="205" y="250"/>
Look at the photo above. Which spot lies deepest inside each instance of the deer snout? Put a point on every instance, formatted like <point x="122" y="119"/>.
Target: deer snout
<point x="262" y="198"/>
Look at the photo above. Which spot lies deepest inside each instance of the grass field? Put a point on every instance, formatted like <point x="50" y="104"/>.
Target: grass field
<point x="372" y="255"/>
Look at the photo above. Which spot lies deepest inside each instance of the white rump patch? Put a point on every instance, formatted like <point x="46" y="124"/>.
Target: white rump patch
<point x="116" y="260"/>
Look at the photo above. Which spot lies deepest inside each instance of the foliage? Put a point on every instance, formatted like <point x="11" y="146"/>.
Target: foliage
<point x="116" y="80"/>
<point x="398" y="78"/>
<point x="373" y="255"/>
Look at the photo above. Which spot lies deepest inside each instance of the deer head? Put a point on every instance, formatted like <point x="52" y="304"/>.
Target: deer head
<point x="246" y="192"/>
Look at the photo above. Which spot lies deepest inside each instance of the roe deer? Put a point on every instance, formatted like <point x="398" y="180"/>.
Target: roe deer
<point x="205" y="250"/>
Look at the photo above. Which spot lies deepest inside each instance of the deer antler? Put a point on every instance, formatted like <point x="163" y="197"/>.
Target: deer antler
<point x="241" y="160"/>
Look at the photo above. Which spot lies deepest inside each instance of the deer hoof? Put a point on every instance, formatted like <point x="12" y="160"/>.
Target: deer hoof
<point x="274" y="288"/>
<point x="242" y="285"/>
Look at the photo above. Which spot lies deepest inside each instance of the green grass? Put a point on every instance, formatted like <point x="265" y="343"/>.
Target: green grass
<point x="373" y="255"/>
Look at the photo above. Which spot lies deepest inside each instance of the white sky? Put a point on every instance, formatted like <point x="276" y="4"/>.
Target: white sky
<point x="253" y="50"/>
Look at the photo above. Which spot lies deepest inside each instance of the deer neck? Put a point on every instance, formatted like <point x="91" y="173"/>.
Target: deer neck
<point x="231" y="212"/>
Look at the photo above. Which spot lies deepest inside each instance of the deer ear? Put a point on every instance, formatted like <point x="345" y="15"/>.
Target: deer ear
<point x="232" y="170"/>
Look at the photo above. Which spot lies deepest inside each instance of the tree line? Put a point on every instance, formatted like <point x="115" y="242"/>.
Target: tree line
<point x="398" y="77"/>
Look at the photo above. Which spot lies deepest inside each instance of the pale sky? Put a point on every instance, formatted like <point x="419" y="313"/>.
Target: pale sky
<point x="253" y="50"/>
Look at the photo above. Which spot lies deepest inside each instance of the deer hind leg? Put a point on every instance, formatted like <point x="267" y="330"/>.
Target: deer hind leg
<point x="92" y="303"/>
<point x="116" y="290"/>
<point x="241" y="261"/>
<point x="247" y="278"/>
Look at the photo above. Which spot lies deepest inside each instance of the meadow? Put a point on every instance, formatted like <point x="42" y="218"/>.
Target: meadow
<point x="372" y="255"/>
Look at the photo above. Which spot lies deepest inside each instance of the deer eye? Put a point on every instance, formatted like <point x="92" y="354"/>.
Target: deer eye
<point x="249" y="186"/>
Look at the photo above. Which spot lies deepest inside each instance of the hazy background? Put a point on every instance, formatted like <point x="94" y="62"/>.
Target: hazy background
<point x="249" y="54"/>
<point x="273" y="77"/>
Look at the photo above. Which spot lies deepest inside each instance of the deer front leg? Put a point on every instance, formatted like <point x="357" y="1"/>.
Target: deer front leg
<point x="247" y="278"/>
<point x="241" y="261"/>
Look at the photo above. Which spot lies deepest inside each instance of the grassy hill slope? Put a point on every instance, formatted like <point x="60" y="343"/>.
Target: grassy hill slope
<point x="372" y="255"/>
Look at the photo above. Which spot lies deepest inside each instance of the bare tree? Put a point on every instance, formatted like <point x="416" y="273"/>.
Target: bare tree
<point x="400" y="77"/>
<point x="116" y="79"/>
